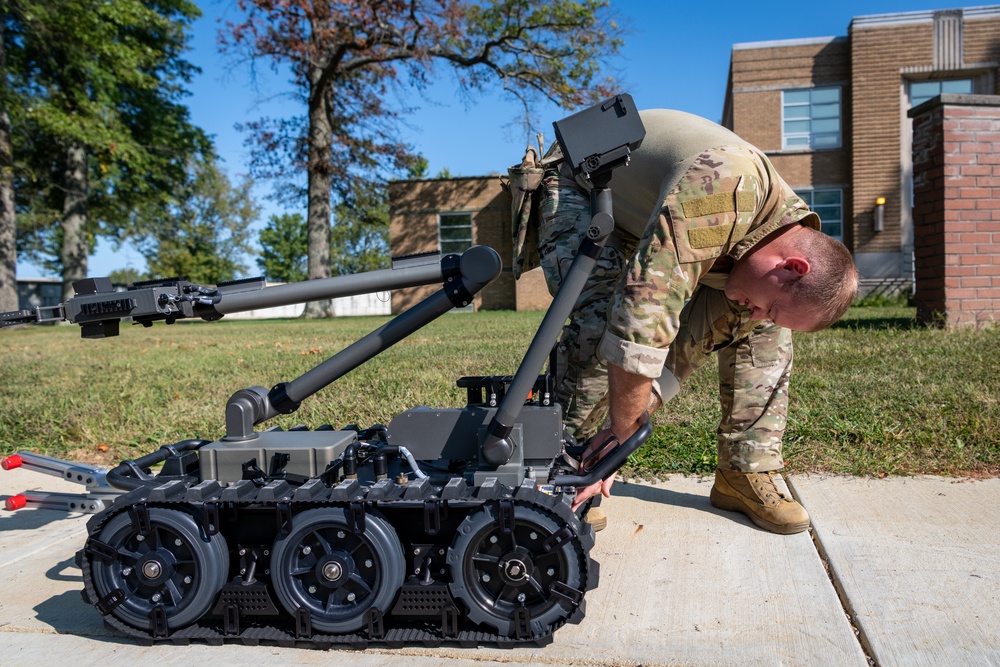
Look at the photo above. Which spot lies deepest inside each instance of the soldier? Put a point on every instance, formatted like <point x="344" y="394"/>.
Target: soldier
<point x="712" y="252"/>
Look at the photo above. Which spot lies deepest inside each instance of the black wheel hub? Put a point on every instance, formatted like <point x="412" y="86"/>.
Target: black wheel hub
<point x="334" y="570"/>
<point x="155" y="568"/>
<point x="516" y="567"/>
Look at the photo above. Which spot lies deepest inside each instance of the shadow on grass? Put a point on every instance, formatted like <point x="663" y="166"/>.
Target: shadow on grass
<point x="878" y="324"/>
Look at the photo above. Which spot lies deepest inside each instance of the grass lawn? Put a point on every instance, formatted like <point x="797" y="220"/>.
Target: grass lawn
<point x="874" y="395"/>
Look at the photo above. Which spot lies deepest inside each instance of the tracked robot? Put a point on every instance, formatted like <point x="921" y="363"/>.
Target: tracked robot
<point x="447" y="525"/>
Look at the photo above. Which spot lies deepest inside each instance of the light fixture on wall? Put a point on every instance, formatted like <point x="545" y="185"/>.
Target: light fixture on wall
<point x="879" y="214"/>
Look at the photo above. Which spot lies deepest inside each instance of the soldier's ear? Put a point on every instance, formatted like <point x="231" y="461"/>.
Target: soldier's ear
<point x="797" y="266"/>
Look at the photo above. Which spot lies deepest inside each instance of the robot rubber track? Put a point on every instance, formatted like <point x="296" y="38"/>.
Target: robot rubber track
<point x="424" y="613"/>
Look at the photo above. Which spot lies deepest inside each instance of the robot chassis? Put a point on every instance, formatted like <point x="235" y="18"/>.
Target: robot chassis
<point x="446" y="525"/>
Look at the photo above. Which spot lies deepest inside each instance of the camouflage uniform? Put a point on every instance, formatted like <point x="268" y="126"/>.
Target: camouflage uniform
<point x="655" y="302"/>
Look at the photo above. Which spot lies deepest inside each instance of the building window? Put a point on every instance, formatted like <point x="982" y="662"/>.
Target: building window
<point x="828" y="205"/>
<point x="921" y="91"/>
<point x="810" y="118"/>
<point x="454" y="232"/>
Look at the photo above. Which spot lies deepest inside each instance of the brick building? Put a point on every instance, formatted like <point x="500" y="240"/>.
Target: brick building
<point x="449" y="215"/>
<point x="832" y="115"/>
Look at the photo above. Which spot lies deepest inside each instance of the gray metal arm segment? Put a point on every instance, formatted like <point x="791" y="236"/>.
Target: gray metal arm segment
<point x="476" y="268"/>
<point x="422" y="271"/>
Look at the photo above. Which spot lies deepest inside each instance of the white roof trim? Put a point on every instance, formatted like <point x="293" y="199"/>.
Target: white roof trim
<point x="926" y="16"/>
<point x="785" y="42"/>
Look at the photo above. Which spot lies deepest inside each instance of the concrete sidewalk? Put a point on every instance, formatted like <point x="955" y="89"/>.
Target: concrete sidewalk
<point x="896" y="572"/>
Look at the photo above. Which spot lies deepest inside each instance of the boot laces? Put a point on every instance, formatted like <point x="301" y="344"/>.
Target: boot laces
<point x="766" y="488"/>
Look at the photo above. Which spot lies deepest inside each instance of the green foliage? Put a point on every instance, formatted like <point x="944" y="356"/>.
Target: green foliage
<point x="284" y="244"/>
<point x="359" y="238"/>
<point x="204" y="232"/>
<point x="879" y="300"/>
<point x="107" y="76"/>
<point x="126" y="276"/>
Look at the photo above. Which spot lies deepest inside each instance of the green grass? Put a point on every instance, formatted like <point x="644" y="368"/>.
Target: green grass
<point x="876" y="394"/>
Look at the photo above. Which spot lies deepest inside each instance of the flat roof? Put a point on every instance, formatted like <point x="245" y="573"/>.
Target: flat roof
<point x="875" y="20"/>
<point x="769" y="44"/>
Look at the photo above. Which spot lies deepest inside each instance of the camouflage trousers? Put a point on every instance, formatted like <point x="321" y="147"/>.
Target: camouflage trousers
<point x="755" y="359"/>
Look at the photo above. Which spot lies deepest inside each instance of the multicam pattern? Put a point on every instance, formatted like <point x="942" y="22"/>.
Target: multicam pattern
<point x="581" y="378"/>
<point x="658" y="304"/>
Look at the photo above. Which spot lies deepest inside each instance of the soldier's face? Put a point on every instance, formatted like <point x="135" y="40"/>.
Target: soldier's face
<point x="762" y="286"/>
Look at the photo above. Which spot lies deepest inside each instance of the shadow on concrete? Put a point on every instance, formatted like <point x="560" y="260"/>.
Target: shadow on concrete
<point x="28" y="518"/>
<point x="58" y="572"/>
<point x="655" y="494"/>
<point x="694" y="501"/>
<point x="68" y="614"/>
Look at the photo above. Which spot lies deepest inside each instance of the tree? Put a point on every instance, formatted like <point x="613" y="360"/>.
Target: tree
<point x="205" y="232"/>
<point x="284" y="245"/>
<point x="347" y="56"/>
<point x="103" y="138"/>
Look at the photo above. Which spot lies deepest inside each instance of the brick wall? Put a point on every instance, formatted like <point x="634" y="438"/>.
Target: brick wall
<point x="758" y="74"/>
<point x="413" y="228"/>
<point x="879" y="53"/>
<point x="956" y="156"/>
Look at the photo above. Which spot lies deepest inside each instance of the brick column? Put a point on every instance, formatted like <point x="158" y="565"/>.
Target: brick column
<point x="956" y="209"/>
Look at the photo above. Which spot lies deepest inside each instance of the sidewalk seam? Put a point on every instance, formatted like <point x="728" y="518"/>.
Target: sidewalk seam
<point x="845" y="602"/>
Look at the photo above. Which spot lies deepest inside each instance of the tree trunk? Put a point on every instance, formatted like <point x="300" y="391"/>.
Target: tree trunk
<point x="74" y="244"/>
<point x="318" y="219"/>
<point x="8" y="230"/>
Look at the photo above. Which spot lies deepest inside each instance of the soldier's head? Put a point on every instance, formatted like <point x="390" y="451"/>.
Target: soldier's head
<point x="796" y="277"/>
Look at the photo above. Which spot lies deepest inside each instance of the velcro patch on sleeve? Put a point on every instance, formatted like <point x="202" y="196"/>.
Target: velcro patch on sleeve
<point x="720" y="202"/>
<point x="709" y="237"/>
<point x="714" y="236"/>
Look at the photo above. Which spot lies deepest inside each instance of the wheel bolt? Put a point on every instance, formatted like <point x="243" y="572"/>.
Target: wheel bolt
<point x="312" y="589"/>
<point x="140" y="538"/>
<point x="493" y="539"/>
<point x="178" y="542"/>
<point x="551" y="571"/>
<point x="340" y="534"/>
<point x="306" y="550"/>
<point x="533" y="535"/>
<point x="486" y="577"/>
<point x="521" y="597"/>
<point x="368" y="563"/>
<point x="126" y="571"/>
<point x="157" y="597"/>
<point x="351" y="597"/>
<point x="188" y="579"/>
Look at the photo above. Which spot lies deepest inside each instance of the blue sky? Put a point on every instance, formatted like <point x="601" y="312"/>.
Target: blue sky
<point x="676" y="55"/>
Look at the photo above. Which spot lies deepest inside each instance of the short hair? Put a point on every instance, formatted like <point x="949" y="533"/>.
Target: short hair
<point x="832" y="282"/>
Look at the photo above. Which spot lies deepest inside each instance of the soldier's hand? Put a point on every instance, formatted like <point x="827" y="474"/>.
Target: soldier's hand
<point x="599" y="445"/>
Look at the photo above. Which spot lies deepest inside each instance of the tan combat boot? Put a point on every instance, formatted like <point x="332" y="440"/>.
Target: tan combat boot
<point x="596" y="517"/>
<point x="756" y="495"/>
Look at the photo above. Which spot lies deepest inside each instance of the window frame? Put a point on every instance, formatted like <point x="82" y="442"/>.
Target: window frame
<point x="808" y="196"/>
<point x="940" y="82"/>
<point x="811" y="135"/>
<point x="441" y="226"/>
